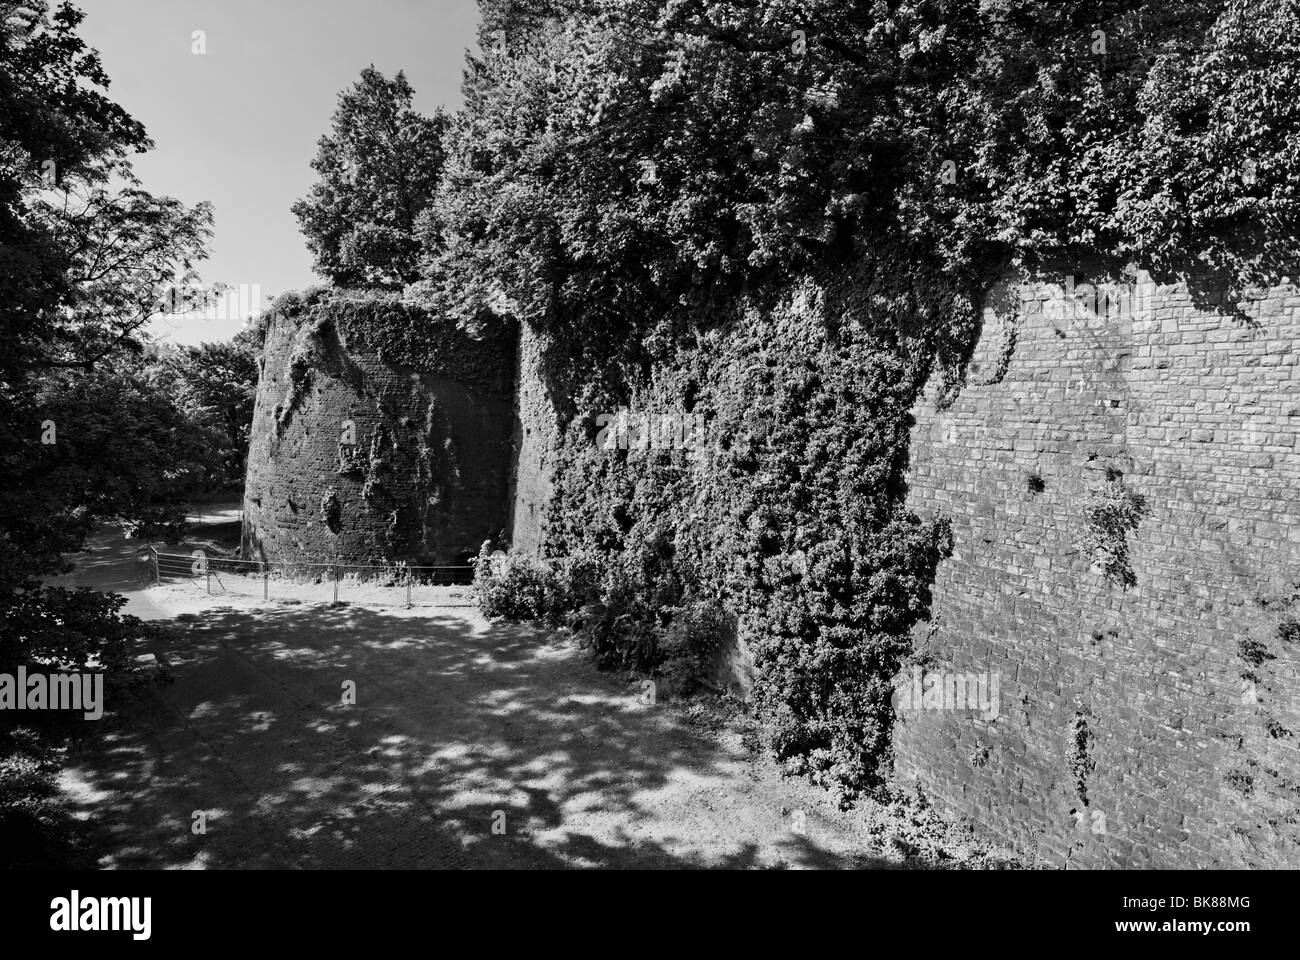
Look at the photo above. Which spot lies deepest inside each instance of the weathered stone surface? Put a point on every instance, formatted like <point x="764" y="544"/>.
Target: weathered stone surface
<point x="1196" y="412"/>
<point x="427" y="475"/>
<point x="536" y="443"/>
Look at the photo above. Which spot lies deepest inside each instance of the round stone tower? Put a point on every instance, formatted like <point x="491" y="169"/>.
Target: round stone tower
<point x="381" y="433"/>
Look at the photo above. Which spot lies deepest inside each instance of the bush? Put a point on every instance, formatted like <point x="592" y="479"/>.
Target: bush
<point x="57" y="630"/>
<point x="38" y="833"/>
<point x="74" y="630"/>
<point x="512" y="587"/>
<point x="688" y="647"/>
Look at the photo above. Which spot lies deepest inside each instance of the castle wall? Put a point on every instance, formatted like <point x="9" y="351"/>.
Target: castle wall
<point x="379" y="435"/>
<point x="1147" y="724"/>
<point x="1147" y="709"/>
<point x="536" y="441"/>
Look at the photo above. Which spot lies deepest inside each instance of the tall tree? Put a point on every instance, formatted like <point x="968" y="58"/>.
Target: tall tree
<point x="618" y="163"/>
<point x="85" y="253"/>
<point x="378" y="169"/>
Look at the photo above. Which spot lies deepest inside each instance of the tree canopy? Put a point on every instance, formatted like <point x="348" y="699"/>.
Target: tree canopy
<point x="85" y="253"/>
<point x="621" y="164"/>
<point x="378" y="167"/>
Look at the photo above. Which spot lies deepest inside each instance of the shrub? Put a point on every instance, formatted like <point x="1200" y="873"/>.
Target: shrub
<point x="38" y="833"/>
<point x="575" y="582"/>
<point x="619" y="634"/>
<point x="688" y="647"/>
<point x="1079" y="757"/>
<point x="512" y="587"/>
<point x="1288" y="631"/>
<point x="54" y="629"/>
<point x="74" y="630"/>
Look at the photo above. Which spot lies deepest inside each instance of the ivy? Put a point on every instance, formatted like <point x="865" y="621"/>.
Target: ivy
<point x="1112" y="513"/>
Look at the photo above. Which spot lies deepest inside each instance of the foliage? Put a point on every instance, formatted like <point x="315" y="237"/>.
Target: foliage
<point x="1112" y="513"/>
<point x="39" y="834"/>
<point x="74" y="630"/>
<point x="123" y="450"/>
<point x="378" y="168"/>
<point x="85" y="256"/>
<point x="1288" y="631"/>
<point x="84" y="253"/>
<point x="53" y="629"/>
<point x="331" y="510"/>
<point x="401" y="332"/>
<point x="1253" y="653"/>
<point x="513" y="587"/>
<point x="655" y="188"/>
<point x="788" y="519"/>
<point x="1079" y="757"/>
<point x="215" y="386"/>
<point x="621" y="166"/>
<point x="690" y="644"/>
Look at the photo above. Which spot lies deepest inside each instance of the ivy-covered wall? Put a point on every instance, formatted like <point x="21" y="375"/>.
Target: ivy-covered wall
<point x="778" y="515"/>
<point x="1124" y="490"/>
<point x="1121" y="478"/>
<point x="1103" y="517"/>
<point x="381" y="433"/>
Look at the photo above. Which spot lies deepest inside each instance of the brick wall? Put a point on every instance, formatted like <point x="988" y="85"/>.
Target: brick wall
<point x="426" y="480"/>
<point x="1126" y="735"/>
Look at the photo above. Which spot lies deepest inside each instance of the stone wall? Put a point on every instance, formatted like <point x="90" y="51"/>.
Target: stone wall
<point x="536" y="441"/>
<point x="1149" y="721"/>
<point x="367" y="447"/>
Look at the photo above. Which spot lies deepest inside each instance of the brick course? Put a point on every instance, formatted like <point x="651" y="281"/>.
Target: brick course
<point x="1196" y="411"/>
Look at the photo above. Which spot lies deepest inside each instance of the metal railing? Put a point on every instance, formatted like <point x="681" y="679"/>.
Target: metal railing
<point x="396" y="584"/>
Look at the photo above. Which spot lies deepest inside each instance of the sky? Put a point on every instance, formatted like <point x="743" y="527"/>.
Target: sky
<point x="238" y="124"/>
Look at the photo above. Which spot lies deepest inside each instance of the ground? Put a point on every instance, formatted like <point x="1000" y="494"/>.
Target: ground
<point x="459" y="726"/>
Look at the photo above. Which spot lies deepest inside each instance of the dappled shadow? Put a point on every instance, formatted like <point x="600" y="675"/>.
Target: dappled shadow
<point x="469" y="745"/>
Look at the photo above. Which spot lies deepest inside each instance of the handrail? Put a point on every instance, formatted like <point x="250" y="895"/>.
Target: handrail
<point x="189" y="558"/>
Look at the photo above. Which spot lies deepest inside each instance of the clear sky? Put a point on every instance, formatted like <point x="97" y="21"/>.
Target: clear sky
<point x="238" y="125"/>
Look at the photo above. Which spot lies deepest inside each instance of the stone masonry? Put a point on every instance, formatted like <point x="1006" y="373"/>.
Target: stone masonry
<point x="1144" y="721"/>
<point x="358" y="457"/>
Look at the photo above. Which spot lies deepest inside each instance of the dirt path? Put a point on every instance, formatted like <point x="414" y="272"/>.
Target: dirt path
<point x="458" y="725"/>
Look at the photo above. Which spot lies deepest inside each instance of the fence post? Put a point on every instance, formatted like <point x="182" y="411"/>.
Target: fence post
<point x="409" y="574"/>
<point x="157" y="573"/>
<point x="266" y="583"/>
<point x="336" y="583"/>
<point x="208" y="571"/>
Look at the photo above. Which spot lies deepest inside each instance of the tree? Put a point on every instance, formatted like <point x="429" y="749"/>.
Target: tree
<point x="214" y="386"/>
<point x="85" y="253"/>
<point x="620" y="164"/>
<point x="378" y="168"/>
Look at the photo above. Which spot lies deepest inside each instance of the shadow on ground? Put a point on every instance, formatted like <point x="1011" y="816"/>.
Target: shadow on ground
<point x="457" y="726"/>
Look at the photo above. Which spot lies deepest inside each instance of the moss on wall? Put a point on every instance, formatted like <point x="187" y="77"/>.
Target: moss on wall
<point x="391" y="419"/>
